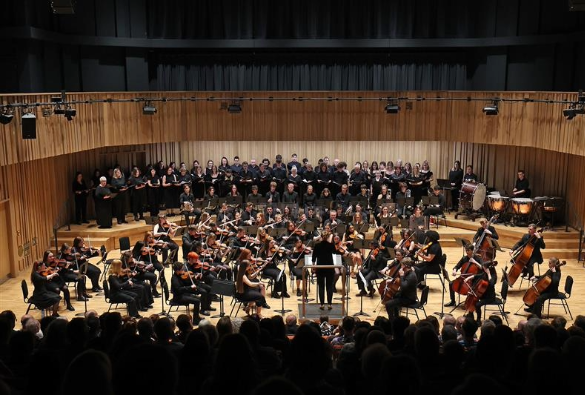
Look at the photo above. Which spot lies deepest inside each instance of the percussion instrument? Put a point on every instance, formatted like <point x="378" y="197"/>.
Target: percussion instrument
<point x="476" y="192"/>
<point x="553" y="204"/>
<point x="498" y="203"/>
<point x="522" y="206"/>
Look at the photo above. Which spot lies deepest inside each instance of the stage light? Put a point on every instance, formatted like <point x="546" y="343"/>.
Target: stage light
<point x="491" y="109"/>
<point x="148" y="109"/>
<point x="573" y="111"/>
<point x="29" y="125"/>
<point x="6" y="116"/>
<point x="392" y="108"/>
<point x="234" y="108"/>
<point x="47" y="111"/>
<point x="70" y="113"/>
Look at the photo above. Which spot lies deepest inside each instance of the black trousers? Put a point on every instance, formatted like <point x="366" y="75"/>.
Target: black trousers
<point x="273" y="273"/>
<point x="130" y="298"/>
<point x="191" y="299"/>
<point x="480" y="303"/>
<point x="369" y="275"/>
<point x="393" y="306"/>
<point x="152" y="279"/>
<point x="171" y="246"/>
<point x="80" y="208"/>
<point x="539" y="302"/>
<point x="325" y="279"/>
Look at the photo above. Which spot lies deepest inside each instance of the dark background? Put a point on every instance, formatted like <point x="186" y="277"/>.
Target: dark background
<point x="118" y="45"/>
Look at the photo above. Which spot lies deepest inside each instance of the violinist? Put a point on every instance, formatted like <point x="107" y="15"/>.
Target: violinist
<point x="431" y="255"/>
<point x="551" y="291"/>
<point x="134" y="273"/>
<point x="536" y="256"/>
<point x="142" y="258"/>
<point x="204" y="275"/>
<point x="163" y="231"/>
<point x="274" y="254"/>
<point x="224" y="215"/>
<point x="42" y="294"/>
<point x="70" y="271"/>
<point x="93" y="272"/>
<point x="189" y="240"/>
<point x="149" y="251"/>
<point x="490" y="233"/>
<point x="219" y="251"/>
<point x="406" y="296"/>
<point x="373" y="264"/>
<point x="487" y="273"/>
<point x="406" y="245"/>
<point x="185" y="291"/>
<point x="395" y="262"/>
<point x="467" y="258"/>
<point x="299" y="251"/>
<point x="123" y="289"/>
<point x="248" y="291"/>
<point x="384" y="237"/>
<point x="58" y="283"/>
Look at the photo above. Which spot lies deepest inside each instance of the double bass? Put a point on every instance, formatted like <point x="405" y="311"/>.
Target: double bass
<point x="533" y="292"/>
<point x="483" y="244"/>
<point x="520" y="259"/>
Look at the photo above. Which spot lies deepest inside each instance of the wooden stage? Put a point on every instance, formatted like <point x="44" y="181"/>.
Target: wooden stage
<point x="559" y="243"/>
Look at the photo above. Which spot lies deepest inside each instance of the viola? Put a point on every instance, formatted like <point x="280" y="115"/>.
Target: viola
<point x="539" y="286"/>
<point x="186" y="275"/>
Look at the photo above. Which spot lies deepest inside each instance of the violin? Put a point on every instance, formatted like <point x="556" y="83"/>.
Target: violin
<point x="533" y="292"/>
<point x="186" y="275"/>
<point x="145" y="251"/>
<point x="340" y="248"/>
<point x="423" y="249"/>
<point x="198" y="265"/>
<point x="48" y="271"/>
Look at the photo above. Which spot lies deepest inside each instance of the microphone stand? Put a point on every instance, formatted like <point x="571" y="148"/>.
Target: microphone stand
<point x="362" y="312"/>
<point x="82" y="273"/>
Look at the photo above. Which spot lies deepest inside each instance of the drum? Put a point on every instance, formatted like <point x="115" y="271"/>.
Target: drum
<point x="553" y="204"/>
<point x="522" y="206"/>
<point x="477" y="192"/>
<point x="498" y="203"/>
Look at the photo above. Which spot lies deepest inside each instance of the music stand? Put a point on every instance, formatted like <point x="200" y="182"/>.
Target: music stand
<point x="393" y="222"/>
<point x="152" y="220"/>
<point x="362" y="312"/>
<point x="391" y="252"/>
<point x="170" y="258"/>
<point x="277" y="232"/>
<point x="404" y="223"/>
<point x="250" y="229"/>
<point x="463" y="242"/>
<point x="282" y="310"/>
<point x="363" y="228"/>
<point x="360" y="244"/>
<point x="339" y="229"/>
<point x="308" y="226"/>
<point x="425" y="200"/>
<point x="222" y="288"/>
<point x="163" y="283"/>
<point x="409" y="201"/>
<point x="82" y="275"/>
<point x="200" y="204"/>
<point x="324" y="203"/>
<point x="434" y="200"/>
<point x="234" y="200"/>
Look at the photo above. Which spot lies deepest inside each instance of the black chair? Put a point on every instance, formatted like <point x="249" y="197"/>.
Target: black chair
<point x="420" y="305"/>
<point x="499" y="303"/>
<point x="107" y="296"/>
<point x="124" y="243"/>
<point x="170" y="301"/>
<point x="562" y="297"/>
<point x="30" y="301"/>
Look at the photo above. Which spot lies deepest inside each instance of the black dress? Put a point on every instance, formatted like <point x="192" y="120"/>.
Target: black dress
<point x="42" y="296"/>
<point x="154" y="195"/>
<point x="103" y="207"/>
<point x="138" y="196"/>
<point x="80" y="190"/>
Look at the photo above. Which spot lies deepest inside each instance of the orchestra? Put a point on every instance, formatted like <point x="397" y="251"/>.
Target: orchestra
<point x="255" y="218"/>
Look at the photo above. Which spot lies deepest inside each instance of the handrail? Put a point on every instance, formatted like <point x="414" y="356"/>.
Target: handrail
<point x="579" y="227"/>
<point x="63" y="219"/>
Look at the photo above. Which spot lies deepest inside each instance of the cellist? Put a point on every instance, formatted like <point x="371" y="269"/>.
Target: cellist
<point x="470" y="271"/>
<point x="552" y="291"/>
<point x="536" y="256"/>
<point x="406" y="296"/>
<point x="487" y="273"/>
<point x="490" y="232"/>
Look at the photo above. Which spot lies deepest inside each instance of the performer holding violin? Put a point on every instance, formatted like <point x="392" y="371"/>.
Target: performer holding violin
<point x="432" y="257"/>
<point x="123" y="289"/>
<point x="371" y="268"/>
<point x="406" y="244"/>
<point x="42" y="294"/>
<point x="249" y="291"/>
<point x="57" y="283"/>
<point x="204" y="275"/>
<point x="406" y="295"/>
<point x="142" y="257"/>
<point x="273" y="254"/>
<point x="526" y="252"/>
<point x="139" y="278"/>
<point x="298" y="252"/>
<point x="468" y="266"/>
<point x="163" y="231"/>
<point x="93" y="272"/>
<point x="546" y="287"/>
<point x="72" y="265"/>
<point x="482" y="290"/>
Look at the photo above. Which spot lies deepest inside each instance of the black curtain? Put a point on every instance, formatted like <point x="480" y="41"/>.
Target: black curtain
<point x="282" y="72"/>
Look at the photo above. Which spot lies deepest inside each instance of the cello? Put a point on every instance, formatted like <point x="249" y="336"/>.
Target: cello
<point x="520" y="258"/>
<point x="477" y="290"/>
<point x="470" y="268"/>
<point x="483" y="244"/>
<point x="533" y="292"/>
<point x="391" y="285"/>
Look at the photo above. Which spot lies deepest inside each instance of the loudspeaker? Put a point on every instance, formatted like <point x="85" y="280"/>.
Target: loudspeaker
<point x="63" y="7"/>
<point x="29" y="126"/>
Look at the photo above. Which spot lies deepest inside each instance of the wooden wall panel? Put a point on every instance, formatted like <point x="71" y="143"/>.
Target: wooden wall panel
<point x="100" y="125"/>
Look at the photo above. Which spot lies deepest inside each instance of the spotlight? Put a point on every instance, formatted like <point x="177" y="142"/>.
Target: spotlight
<point x="234" y="108"/>
<point x="148" y="109"/>
<point x="392" y="108"/>
<point x="6" y="116"/>
<point x="573" y="111"/>
<point x="29" y="125"/>
<point x="47" y="111"/>
<point x="491" y="109"/>
<point x="70" y="113"/>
